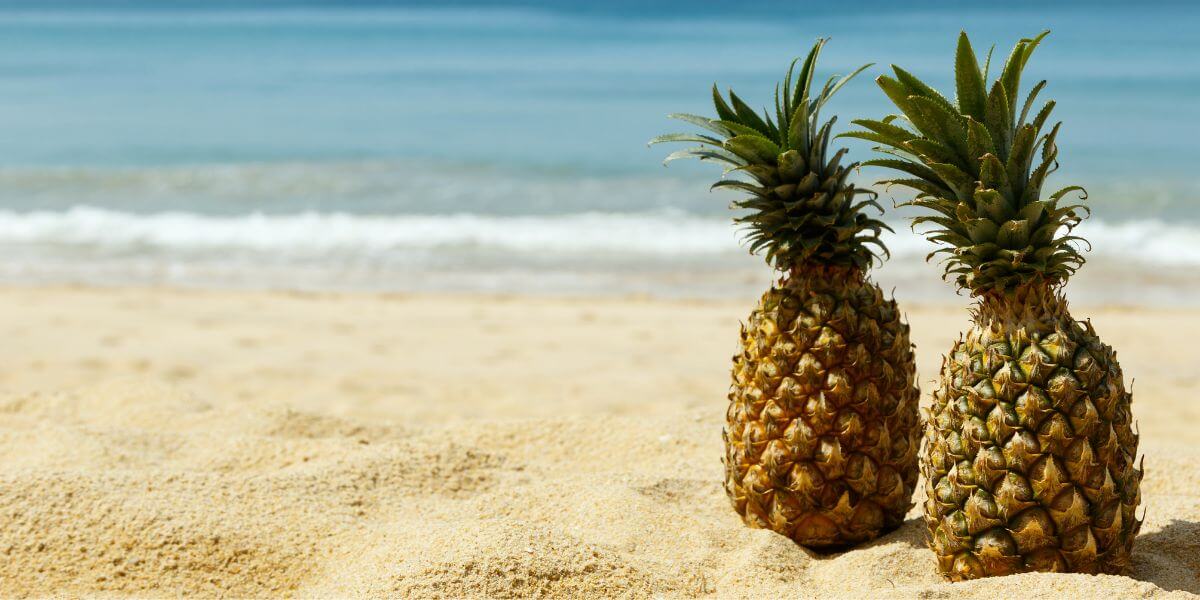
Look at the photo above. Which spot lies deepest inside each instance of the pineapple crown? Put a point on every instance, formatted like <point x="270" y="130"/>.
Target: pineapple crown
<point x="972" y="163"/>
<point x="800" y="209"/>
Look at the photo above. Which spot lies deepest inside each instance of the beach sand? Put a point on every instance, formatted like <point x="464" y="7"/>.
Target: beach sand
<point x="158" y="442"/>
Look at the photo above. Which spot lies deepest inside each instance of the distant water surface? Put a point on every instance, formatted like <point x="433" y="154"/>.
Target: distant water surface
<point x="501" y="146"/>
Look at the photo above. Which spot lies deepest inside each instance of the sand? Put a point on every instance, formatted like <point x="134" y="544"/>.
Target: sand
<point x="162" y="443"/>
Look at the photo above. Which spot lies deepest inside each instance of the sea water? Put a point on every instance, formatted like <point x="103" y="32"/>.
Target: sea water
<point x="500" y="146"/>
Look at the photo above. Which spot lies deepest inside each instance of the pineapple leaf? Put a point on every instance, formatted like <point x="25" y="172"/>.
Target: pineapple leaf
<point x="931" y="151"/>
<point x="1031" y="44"/>
<point x="724" y="113"/>
<point x="739" y="185"/>
<point x="970" y="89"/>
<point x="1049" y="148"/>
<point x="761" y="173"/>
<point x="816" y="154"/>
<point x="704" y="122"/>
<point x="858" y="206"/>
<point x="781" y="118"/>
<point x="1035" y="215"/>
<point x="998" y="117"/>
<point x="981" y="230"/>
<point x="984" y="251"/>
<point x="896" y="93"/>
<point x="747" y="116"/>
<point x="736" y="128"/>
<point x="804" y="81"/>
<point x="948" y="223"/>
<point x="706" y="153"/>
<point x="1065" y="240"/>
<point x="950" y="238"/>
<point x="825" y="96"/>
<point x="1020" y="158"/>
<point x="1033" y="186"/>
<point x="787" y="91"/>
<point x="956" y="180"/>
<point x="885" y="127"/>
<point x="979" y="143"/>
<point x="923" y="186"/>
<point x="831" y="166"/>
<point x="993" y="176"/>
<point x="1043" y="115"/>
<point x="918" y="88"/>
<point x="872" y="136"/>
<point x="798" y="134"/>
<point x="791" y="165"/>
<point x="772" y="129"/>
<point x="1011" y="76"/>
<point x="874" y="225"/>
<point x="991" y="205"/>
<point x="877" y="242"/>
<point x="1029" y="101"/>
<point x="685" y="137"/>
<point x="946" y="127"/>
<point x="822" y="95"/>
<point x="915" y="169"/>
<point x="939" y="207"/>
<point x="902" y="154"/>
<point x="1056" y="196"/>
<point x="987" y="62"/>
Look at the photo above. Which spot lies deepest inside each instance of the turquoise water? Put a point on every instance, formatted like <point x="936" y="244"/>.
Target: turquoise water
<point x="237" y="122"/>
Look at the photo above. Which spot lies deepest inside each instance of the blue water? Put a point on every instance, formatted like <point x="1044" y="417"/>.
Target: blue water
<point x="217" y="110"/>
<point x="539" y="84"/>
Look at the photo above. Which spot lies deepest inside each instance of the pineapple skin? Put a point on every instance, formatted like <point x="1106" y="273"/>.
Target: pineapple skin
<point x="1029" y="459"/>
<point x="822" y="428"/>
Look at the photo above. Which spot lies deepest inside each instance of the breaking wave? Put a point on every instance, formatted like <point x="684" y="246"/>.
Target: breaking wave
<point x="309" y="235"/>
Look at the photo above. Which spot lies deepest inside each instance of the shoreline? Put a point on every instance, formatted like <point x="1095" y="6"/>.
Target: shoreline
<point x="748" y="301"/>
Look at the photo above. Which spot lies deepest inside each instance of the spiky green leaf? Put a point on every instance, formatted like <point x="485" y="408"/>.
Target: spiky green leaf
<point x="970" y="88"/>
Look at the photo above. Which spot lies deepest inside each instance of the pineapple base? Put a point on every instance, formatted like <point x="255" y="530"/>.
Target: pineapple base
<point x="1029" y="459"/>
<point x="822" y="428"/>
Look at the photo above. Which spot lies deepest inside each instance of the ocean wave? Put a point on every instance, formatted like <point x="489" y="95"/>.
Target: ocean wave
<point x="331" y="234"/>
<point x="664" y="253"/>
<point x="663" y="234"/>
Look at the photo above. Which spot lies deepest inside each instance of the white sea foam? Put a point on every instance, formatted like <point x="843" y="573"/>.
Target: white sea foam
<point x="661" y="252"/>
<point x="315" y="234"/>
<point x="662" y="234"/>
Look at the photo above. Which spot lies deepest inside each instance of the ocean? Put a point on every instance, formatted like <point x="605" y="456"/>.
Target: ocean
<point x="500" y="147"/>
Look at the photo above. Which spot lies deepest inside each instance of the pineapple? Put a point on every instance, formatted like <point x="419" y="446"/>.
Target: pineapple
<point x="822" y="425"/>
<point x="1029" y="459"/>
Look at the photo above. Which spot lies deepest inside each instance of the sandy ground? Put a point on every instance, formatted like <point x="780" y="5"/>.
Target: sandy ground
<point x="262" y="444"/>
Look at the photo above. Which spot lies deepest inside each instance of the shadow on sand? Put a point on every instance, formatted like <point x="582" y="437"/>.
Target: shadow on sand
<point x="910" y="533"/>
<point x="1169" y="557"/>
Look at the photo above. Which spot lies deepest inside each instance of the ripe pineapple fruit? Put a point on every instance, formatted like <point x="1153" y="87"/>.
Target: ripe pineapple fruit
<point x="1029" y="453"/>
<point x="822" y="426"/>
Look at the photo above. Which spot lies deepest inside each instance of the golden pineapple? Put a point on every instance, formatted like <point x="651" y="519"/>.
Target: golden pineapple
<point x="1029" y="458"/>
<point x="822" y="425"/>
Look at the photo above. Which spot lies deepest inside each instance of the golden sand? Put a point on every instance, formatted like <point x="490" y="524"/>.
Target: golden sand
<point x="160" y="443"/>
